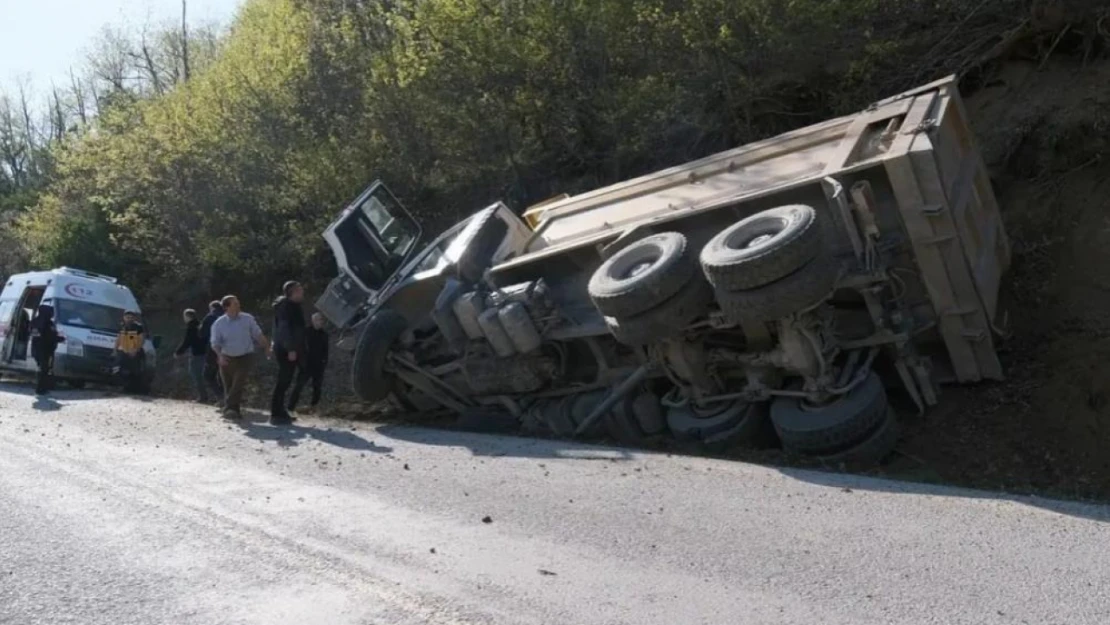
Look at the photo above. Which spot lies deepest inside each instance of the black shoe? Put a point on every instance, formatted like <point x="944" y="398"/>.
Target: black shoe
<point x="279" y="420"/>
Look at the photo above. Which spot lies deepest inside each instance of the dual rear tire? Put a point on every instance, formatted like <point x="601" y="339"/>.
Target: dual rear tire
<point x="857" y="427"/>
<point x="762" y="268"/>
<point x="769" y="265"/>
<point x="650" y="290"/>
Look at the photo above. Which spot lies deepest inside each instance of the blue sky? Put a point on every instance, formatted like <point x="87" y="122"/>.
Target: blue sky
<point x="41" y="39"/>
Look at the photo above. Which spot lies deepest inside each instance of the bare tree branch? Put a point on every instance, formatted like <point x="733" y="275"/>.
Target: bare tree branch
<point x="79" y="96"/>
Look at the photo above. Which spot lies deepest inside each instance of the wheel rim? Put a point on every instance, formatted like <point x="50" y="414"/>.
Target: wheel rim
<point x="760" y="233"/>
<point x="637" y="263"/>
<point x="760" y="240"/>
<point x="805" y="405"/>
<point x="638" y="269"/>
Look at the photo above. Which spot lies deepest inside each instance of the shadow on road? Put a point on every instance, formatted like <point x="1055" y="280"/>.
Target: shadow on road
<point x="46" y="403"/>
<point x="18" y="386"/>
<point x="841" y="481"/>
<point x="27" y="389"/>
<point x="255" y="426"/>
<point x="489" y="445"/>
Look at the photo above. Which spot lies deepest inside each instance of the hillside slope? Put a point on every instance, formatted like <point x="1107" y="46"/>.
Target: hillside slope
<point x="1043" y="133"/>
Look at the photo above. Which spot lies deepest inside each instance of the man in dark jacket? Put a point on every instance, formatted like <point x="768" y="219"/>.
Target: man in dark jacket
<point x="211" y="364"/>
<point x="44" y="340"/>
<point x="288" y="333"/>
<point x="195" y="348"/>
<point x="314" y="363"/>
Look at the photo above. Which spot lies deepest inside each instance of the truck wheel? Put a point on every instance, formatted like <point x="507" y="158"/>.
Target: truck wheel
<point x="369" y="379"/>
<point x="739" y="420"/>
<point x="762" y="248"/>
<point x="622" y="425"/>
<point x="835" y="427"/>
<point x="665" y="320"/>
<point x="556" y="415"/>
<point x="754" y="431"/>
<point x="798" y="291"/>
<point x="531" y="421"/>
<point x="878" y="445"/>
<point x="642" y="275"/>
<point x="648" y="412"/>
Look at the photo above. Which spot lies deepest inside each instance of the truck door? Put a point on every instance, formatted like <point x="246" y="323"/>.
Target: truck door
<point x="371" y="240"/>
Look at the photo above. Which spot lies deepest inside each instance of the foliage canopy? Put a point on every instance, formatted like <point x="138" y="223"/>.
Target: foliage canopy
<point x="224" y="181"/>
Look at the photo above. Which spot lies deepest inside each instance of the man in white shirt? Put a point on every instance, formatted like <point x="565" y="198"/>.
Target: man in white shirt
<point x="235" y="337"/>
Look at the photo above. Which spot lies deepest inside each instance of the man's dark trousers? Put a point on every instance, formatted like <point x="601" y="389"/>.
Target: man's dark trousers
<point x="311" y="371"/>
<point x="212" y="375"/>
<point x="44" y="382"/>
<point x="286" y="372"/>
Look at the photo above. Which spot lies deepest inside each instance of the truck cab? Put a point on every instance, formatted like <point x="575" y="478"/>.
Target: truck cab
<point x="376" y="245"/>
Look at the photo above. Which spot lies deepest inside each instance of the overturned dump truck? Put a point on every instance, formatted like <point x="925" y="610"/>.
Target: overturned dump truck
<point x="789" y="282"/>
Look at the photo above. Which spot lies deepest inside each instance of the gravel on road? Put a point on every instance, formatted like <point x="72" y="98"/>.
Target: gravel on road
<point x="120" y="510"/>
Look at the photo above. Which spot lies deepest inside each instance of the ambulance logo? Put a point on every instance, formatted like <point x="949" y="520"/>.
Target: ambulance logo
<point x="78" y="291"/>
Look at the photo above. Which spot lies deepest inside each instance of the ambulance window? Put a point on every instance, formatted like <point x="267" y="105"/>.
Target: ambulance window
<point x="88" y="315"/>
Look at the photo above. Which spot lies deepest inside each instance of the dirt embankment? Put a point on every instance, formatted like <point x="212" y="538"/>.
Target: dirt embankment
<point x="1044" y="134"/>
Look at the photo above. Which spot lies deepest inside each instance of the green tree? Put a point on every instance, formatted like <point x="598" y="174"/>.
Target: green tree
<point x="224" y="181"/>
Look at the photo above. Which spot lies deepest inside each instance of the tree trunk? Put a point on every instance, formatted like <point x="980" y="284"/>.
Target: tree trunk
<point x="184" y="43"/>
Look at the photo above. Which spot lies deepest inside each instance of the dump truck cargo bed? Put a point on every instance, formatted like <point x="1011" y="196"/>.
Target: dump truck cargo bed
<point x="925" y="177"/>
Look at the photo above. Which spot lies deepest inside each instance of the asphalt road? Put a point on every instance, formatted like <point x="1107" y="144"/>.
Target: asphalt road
<point x="117" y="511"/>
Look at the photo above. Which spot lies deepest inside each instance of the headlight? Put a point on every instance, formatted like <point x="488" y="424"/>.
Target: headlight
<point x="74" y="347"/>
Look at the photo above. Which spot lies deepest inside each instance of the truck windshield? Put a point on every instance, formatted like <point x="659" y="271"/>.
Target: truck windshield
<point x="87" y="315"/>
<point x="435" y="252"/>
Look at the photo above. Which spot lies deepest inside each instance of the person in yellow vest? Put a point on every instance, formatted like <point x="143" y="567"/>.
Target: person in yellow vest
<point x="129" y="351"/>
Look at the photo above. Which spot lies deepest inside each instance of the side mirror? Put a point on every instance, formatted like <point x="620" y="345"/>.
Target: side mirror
<point x="156" y="340"/>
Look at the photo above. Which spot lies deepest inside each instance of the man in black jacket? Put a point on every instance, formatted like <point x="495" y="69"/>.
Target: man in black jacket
<point x="211" y="365"/>
<point x="314" y="364"/>
<point x="44" y="340"/>
<point x="196" y="349"/>
<point x="288" y="333"/>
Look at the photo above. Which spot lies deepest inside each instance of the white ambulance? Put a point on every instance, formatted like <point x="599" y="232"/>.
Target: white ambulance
<point x="88" y="310"/>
